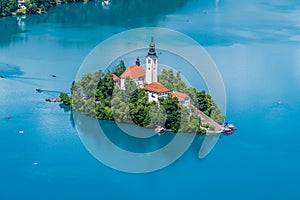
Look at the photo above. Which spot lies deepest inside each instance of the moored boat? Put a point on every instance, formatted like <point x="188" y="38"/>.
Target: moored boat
<point x="53" y="99"/>
<point x="160" y="129"/>
<point x="229" y="128"/>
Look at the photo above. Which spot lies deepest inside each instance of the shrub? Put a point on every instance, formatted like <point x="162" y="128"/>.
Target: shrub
<point x="21" y="12"/>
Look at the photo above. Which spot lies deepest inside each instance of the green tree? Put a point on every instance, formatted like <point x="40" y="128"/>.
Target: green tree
<point x="42" y="8"/>
<point x="216" y="114"/>
<point x="202" y="101"/>
<point x="192" y="92"/>
<point x="119" y="69"/>
<point x="77" y="98"/>
<point x="65" y="98"/>
<point x="31" y="6"/>
<point x="166" y="78"/>
<point x="88" y="84"/>
<point x="173" y="83"/>
<point x="130" y="87"/>
<point x="178" y="84"/>
<point x="190" y="123"/>
<point x="120" y="107"/>
<point x="157" y="115"/>
<point x="7" y="7"/>
<point x="173" y="111"/>
<point x="88" y="107"/>
<point x="139" y="105"/>
<point x="13" y="5"/>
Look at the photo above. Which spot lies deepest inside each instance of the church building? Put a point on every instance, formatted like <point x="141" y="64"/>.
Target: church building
<point x="149" y="77"/>
<point x="136" y="73"/>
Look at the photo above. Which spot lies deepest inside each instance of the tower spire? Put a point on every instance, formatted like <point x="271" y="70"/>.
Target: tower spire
<point x="152" y="52"/>
<point x="138" y="63"/>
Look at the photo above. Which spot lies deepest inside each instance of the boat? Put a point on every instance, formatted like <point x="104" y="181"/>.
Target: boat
<point x="9" y="117"/>
<point x="53" y="75"/>
<point x="38" y="90"/>
<point x="227" y="131"/>
<point x="53" y="99"/>
<point x="228" y="128"/>
<point x="21" y="131"/>
<point x="160" y="130"/>
<point x="2" y="76"/>
<point x="106" y="3"/>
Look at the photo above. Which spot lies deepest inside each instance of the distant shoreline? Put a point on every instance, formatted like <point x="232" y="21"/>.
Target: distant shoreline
<point x="33" y="7"/>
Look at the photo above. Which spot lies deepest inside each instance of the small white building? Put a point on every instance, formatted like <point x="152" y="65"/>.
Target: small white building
<point x="155" y="91"/>
<point x="21" y="4"/>
<point x="183" y="98"/>
<point x="117" y="81"/>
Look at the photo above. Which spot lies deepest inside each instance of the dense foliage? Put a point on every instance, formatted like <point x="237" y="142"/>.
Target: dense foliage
<point x="10" y="7"/>
<point x="150" y="12"/>
<point x="65" y="98"/>
<point x="7" y="7"/>
<point x="96" y="96"/>
<point x="119" y="69"/>
<point x="201" y="100"/>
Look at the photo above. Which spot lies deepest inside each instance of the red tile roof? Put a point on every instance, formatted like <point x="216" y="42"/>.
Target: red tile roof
<point x="156" y="87"/>
<point x="115" y="77"/>
<point x="180" y="96"/>
<point x="133" y="72"/>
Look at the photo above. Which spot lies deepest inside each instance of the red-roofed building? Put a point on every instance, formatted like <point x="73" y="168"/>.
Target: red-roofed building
<point x="117" y="80"/>
<point x="136" y="73"/>
<point x="183" y="98"/>
<point x="156" y="90"/>
<point x="115" y="77"/>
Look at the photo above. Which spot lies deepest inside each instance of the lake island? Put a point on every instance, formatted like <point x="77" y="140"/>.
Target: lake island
<point x="143" y="97"/>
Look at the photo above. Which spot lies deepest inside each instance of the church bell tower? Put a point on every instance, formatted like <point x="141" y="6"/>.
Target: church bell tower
<point x="151" y="64"/>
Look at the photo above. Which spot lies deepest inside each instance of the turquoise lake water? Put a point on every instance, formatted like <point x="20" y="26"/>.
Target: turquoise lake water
<point x="256" y="46"/>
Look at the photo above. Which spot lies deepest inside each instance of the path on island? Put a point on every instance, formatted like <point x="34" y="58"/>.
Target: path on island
<point x="218" y="128"/>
